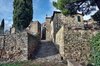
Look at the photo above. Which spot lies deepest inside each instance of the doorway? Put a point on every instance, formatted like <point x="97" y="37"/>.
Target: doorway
<point x="44" y="33"/>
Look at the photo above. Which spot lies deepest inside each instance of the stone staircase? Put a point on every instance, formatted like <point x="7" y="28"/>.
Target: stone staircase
<point x="47" y="52"/>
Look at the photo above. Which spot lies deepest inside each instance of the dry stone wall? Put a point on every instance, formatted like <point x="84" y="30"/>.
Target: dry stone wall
<point x="77" y="45"/>
<point x="33" y="42"/>
<point x="74" y="44"/>
<point x="71" y="21"/>
<point x="48" y="31"/>
<point x="17" y="47"/>
<point x="60" y="41"/>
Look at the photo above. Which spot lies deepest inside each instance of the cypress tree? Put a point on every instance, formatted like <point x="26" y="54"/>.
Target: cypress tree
<point x="2" y="24"/>
<point x="2" y="27"/>
<point x="22" y="14"/>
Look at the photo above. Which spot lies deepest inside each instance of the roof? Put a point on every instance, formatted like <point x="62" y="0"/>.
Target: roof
<point x="48" y="17"/>
<point x="55" y="12"/>
<point x="33" y="22"/>
<point x="58" y="12"/>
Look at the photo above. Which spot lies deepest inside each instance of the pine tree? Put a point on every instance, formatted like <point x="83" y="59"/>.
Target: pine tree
<point x="72" y="6"/>
<point x="61" y="5"/>
<point x="22" y="14"/>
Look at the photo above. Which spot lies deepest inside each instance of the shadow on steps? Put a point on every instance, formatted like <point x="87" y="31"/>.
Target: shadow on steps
<point x="45" y="49"/>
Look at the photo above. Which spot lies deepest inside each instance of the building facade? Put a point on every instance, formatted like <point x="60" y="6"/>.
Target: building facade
<point x="46" y="29"/>
<point x="71" y="37"/>
<point x="35" y="28"/>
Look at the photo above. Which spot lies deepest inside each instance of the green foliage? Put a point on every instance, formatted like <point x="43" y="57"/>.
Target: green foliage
<point x="96" y="16"/>
<point x="65" y="11"/>
<point x="22" y="14"/>
<point x="95" y="50"/>
<point x="60" y="4"/>
<point x="55" y="5"/>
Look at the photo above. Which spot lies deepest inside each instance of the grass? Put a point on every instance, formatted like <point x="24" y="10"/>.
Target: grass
<point x="20" y="64"/>
<point x="32" y="63"/>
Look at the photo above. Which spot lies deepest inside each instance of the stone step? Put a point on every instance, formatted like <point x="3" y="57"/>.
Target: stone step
<point x="55" y="58"/>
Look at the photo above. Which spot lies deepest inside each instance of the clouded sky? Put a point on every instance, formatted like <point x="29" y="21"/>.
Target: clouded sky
<point x="6" y="10"/>
<point x="41" y="9"/>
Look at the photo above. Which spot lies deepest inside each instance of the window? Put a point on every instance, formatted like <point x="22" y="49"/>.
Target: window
<point x="78" y="18"/>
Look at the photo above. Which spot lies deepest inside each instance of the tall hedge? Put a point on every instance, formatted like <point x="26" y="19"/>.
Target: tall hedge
<point x="22" y="14"/>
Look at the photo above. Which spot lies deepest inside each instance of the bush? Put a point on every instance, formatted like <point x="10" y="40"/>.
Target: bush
<point x="95" y="50"/>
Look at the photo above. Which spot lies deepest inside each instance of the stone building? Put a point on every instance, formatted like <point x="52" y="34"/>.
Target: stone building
<point x="58" y="19"/>
<point x="34" y="28"/>
<point x="74" y="44"/>
<point x="91" y="24"/>
<point x="46" y="29"/>
<point x="70" y="36"/>
<point x="55" y="24"/>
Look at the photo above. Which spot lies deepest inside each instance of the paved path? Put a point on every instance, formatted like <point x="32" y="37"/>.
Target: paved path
<point x="47" y="52"/>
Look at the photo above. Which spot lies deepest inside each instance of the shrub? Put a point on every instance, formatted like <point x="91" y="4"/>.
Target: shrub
<point x="95" y="50"/>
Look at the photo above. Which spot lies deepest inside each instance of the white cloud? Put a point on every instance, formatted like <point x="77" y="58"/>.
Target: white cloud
<point x="53" y="0"/>
<point x="8" y="25"/>
<point x="87" y="17"/>
<point x="6" y="12"/>
<point x="52" y="7"/>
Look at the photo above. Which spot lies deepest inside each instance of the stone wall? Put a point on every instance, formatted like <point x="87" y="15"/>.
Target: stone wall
<point x="56" y="24"/>
<point x="17" y="47"/>
<point x="33" y="42"/>
<point x="77" y="45"/>
<point x="60" y="41"/>
<point x="59" y="19"/>
<point x="48" y="31"/>
<point x="34" y="28"/>
<point x="74" y="44"/>
<point x="52" y="31"/>
<point x="71" y="35"/>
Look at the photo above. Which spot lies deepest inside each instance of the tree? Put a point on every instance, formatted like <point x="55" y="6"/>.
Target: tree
<point x="22" y="14"/>
<point x="2" y="27"/>
<point x="96" y="16"/>
<point x="2" y="24"/>
<point x="61" y="5"/>
<point x="98" y="3"/>
<point x="72" y="6"/>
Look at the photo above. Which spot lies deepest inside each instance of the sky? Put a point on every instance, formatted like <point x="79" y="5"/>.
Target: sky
<point x="41" y="9"/>
<point x="6" y="12"/>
